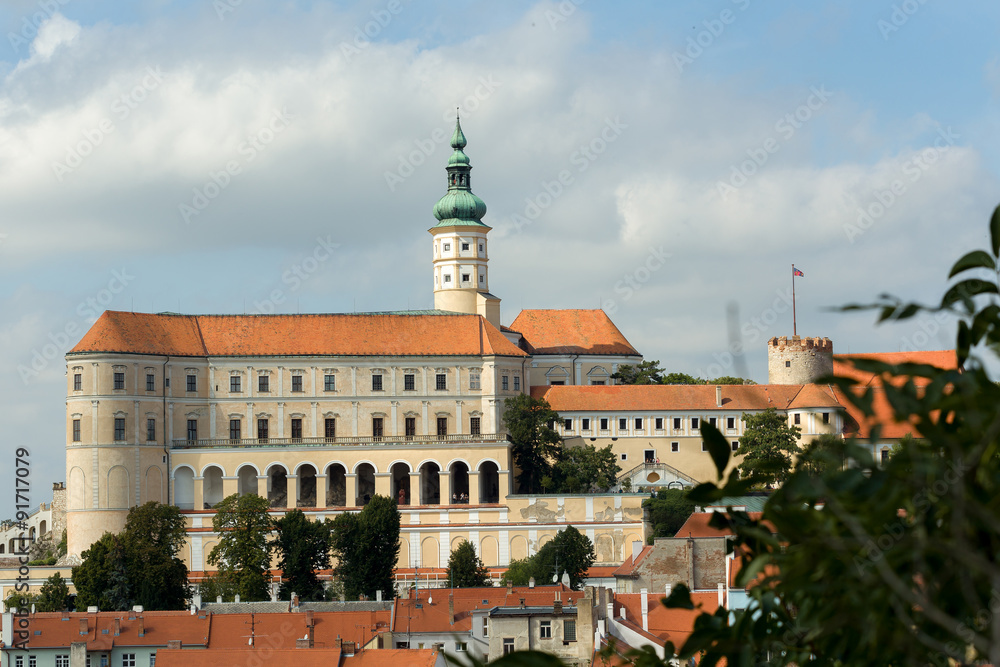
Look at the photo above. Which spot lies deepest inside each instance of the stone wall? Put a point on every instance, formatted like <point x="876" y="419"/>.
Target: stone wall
<point x="798" y="360"/>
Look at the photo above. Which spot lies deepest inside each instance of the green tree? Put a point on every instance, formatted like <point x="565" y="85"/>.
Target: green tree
<point x="881" y="564"/>
<point x="768" y="445"/>
<point x="303" y="548"/>
<point x="823" y="453"/>
<point x="153" y="537"/>
<point x="466" y="569"/>
<point x="645" y="372"/>
<point x="23" y="600"/>
<point x="533" y="443"/>
<point x="569" y="551"/>
<point x="54" y="594"/>
<point x="518" y="573"/>
<point x="680" y="378"/>
<point x="100" y="580"/>
<point x="366" y="546"/>
<point x="729" y="379"/>
<point x="585" y="469"/>
<point x="243" y="554"/>
<point x="668" y="511"/>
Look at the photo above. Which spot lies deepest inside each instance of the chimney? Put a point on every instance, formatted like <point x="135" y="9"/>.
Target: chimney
<point x="645" y="609"/>
<point x="522" y="603"/>
<point x="347" y="648"/>
<point x="451" y="609"/>
<point x="310" y="620"/>
<point x="338" y="643"/>
<point x="175" y="643"/>
<point x="118" y="626"/>
<point x="557" y="607"/>
<point x="722" y="593"/>
<point x="84" y="631"/>
<point x="378" y="595"/>
<point x="636" y="550"/>
<point x="237" y="598"/>
<point x="218" y="599"/>
<point x="531" y="582"/>
<point x="718" y="396"/>
<point x="295" y="602"/>
<point x="142" y="626"/>
<point x="510" y="587"/>
<point x="667" y="589"/>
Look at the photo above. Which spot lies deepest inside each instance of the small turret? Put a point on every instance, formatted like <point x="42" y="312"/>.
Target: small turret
<point x="798" y="360"/>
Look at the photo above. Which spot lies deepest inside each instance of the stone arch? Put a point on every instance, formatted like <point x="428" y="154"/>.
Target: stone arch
<point x="489" y="551"/>
<point x="31" y="533"/>
<point x="246" y="479"/>
<point x="456" y="542"/>
<point x="518" y="547"/>
<point x="459" y="481"/>
<point x="430" y="553"/>
<point x="277" y="485"/>
<point x="77" y="488"/>
<point x="211" y="485"/>
<point x="365" y="462"/>
<point x="365" y="483"/>
<point x="154" y="484"/>
<point x="206" y="551"/>
<point x="489" y="482"/>
<point x="184" y="487"/>
<point x="543" y="540"/>
<point x="306" y="487"/>
<point x="604" y="549"/>
<point x="430" y="483"/>
<point x="118" y="488"/>
<point x="3" y="548"/>
<point x="404" y="552"/>
<point x="336" y="485"/>
<point x="41" y="528"/>
<point x="399" y="473"/>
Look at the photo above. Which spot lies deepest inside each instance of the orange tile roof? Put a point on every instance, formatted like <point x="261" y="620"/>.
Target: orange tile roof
<point x="369" y="334"/>
<point x="628" y="568"/>
<point x="697" y="526"/>
<point x="666" y="624"/>
<point x="317" y="657"/>
<point x="280" y="630"/>
<point x="941" y="358"/>
<point x="159" y="627"/>
<point x="571" y="398"/>
<point x="571" y="332"/>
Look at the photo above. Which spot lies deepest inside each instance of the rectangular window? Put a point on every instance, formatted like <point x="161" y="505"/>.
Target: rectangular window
<point x="622" y="424"/>
<point x="569" y="631"/>
<point x="826" y="417"/>
<point x="482" y="279"/>
<point x="235" y="429"/>
<point x="447" y="247"/>
<point x="474" y="425"/>
<point x="624" y="456"/>
<point x="474" y="380"/>
<point x="119" y="380"/>
<point x="735" y="444"/>
<point x="19" y="660"/>
<point x="76" y="430"/>
<point x="567" y="424"/>
<point x="150" y="382"/>
<point x="296" y="383"/>
<point x="263" y="383"/>
<point x="330" y="427"/>
<point x="376" y="383"/>
<point x="675" y="446"/>
<point x="730" y="422"/>
<point x="192" y="383"/>
<point x="797" y="418"/>
<point x="442" y="424"/>
<point x="62" y="661"/>
<point x="677" y="423"/>
<point x="119" y="428"/>
<point x="465" y="246"/>
<point x="604" y="423"/>
<point x="508" y="645"/>
<point x="411" y="426"/>
<point x="486" y="627"/>
<point x="297" y="429"/>
<point x="77" y="381"/>
<point x="128" y="659"/>
<point x="659" y="423"/>
<point x="517" y="383"/>
<point x="704" y="447"/>
<point x="638" y="423"/>
<point x="441" y="382"/>
<point x="461" y="646"/>
<point x="503" y="382"/>
<point x="329" y="383"/>
<point x="150" y="430"/>
<point x="466" y="277"/>
<point x="377" y="428"/>
<point x="192" y="430"/>
<point x="545" y="629"/>
<point x="713" y="421"/>
<point x="409" y="382"/>
<point x="694" y="423"/>
<point x="32" y="661"/>
<point x="585" y="424"/>
<point x="235" y="383"/>
<point x="597" y="382"/>
<point x="447" y="279"/>
<point x="152" y="659"/>
<point x="262" y="429"/>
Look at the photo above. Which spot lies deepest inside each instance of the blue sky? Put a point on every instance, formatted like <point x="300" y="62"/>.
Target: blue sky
<point x="858" y="140"/>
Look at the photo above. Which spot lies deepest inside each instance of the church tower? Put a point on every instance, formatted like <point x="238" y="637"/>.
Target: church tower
<point x="461" y="277"/>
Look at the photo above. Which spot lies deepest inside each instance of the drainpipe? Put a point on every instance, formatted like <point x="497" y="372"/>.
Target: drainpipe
<point x="166" y="452"/>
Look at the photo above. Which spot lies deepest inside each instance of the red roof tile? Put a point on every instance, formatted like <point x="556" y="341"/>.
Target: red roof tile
<point x="296" y="335"/>
<point x="667" y="624"/>
<point x="317" y="657"/>
<point x="571" y="398"/>
<point x="697" y="526"/>
<point x="844" y="368"/>
<point x="571" y="332"/>
<point x="158" y="628"/>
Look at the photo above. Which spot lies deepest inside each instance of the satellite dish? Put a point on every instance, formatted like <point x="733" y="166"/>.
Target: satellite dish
<point x="555" y="578"/>
<point x="250" y="642"/>
<point x="565" y="579"/>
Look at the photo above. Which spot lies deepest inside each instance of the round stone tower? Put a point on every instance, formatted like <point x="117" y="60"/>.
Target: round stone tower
<point x="798" y="360"/>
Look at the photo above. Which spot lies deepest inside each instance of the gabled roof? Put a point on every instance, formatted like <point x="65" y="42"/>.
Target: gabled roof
<point x="318" y="657"/>
<point x="620" y="398"/>
<point x="58" y="629"/>
<point x="673" y="625"/>
<point x="368" y="334"/>
<point x="629" y="567"/>
<point x="842" y="366"/>
<point x="697" y="526"/>
<point x="571" y="332"/>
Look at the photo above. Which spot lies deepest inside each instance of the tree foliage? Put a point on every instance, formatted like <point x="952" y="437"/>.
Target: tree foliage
<point x="668" y="511"/>
<point x="54" y="594"/>
<point x="768" y="445"/>
<point x="882" y="564"/>
<point x="303" y="548"/>
<point x="645" y="372"/>
<point x="681" y="378"/>
<point x="585" y="469"/>
<point x="569" y="552"/>
<point x="242" y="555"/>
<point x="533" y="443"/>
<point x="466" y="569"/>
<point x="366" y="546"/>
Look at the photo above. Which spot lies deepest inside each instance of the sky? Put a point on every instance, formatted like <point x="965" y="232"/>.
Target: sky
<point x="665" y="161"/>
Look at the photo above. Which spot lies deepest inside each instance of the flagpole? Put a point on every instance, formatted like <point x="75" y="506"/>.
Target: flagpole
<point x="795" y="331"/>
